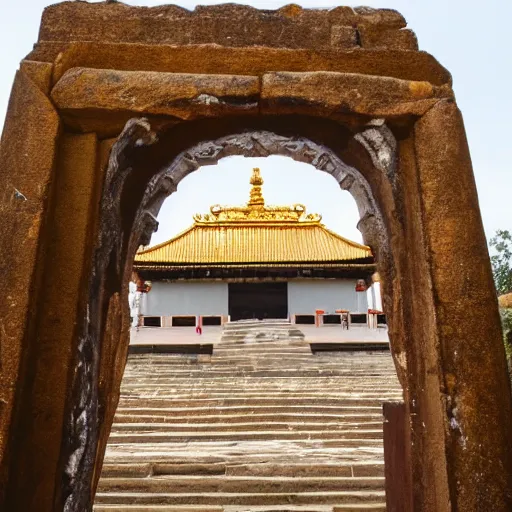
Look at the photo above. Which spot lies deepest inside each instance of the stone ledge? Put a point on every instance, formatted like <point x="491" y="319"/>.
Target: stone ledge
<point x="253" y="61"/>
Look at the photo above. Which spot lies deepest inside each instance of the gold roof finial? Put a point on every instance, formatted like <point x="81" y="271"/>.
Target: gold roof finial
<point x="256" y="197"/>
<point x="255" y="211"/>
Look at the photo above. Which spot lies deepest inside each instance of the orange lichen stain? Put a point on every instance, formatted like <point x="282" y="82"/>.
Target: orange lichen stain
<point x="421" y="89"/>
<point x="33" y="230"/>
<point x="291" y="10"/>
<point x="451" y="381"/>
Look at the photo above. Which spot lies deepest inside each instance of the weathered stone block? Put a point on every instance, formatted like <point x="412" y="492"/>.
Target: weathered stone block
<point x="343" y="15"/>
<point x="343" y="37"/>
<point x="40" y="73"/>
<point x="235" y="25"/>
<point x="180" y="95"/>
<point x="336" y="93"/>
<point x="375" y="37"/>
<point x="384" y="18"/>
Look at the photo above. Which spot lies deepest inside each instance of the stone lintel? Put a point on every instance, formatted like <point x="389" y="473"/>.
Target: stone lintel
<point x="331" y="93"/>
<point x="250" y="61"/>
<point x="184" y="96"/>
<point x="90" y="93"/>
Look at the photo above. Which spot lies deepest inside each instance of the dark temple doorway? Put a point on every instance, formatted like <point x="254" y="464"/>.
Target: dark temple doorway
<point x="258" y="300"/>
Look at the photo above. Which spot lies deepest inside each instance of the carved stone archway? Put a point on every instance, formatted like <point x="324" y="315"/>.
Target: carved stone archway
<point x="264" y="143"/>
<point x="84" y="175"/>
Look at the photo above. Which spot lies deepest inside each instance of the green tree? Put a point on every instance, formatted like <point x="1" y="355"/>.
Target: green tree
<point x="501" y="260"/>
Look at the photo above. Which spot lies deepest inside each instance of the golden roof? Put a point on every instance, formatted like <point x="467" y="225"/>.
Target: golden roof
<point x="255" y="233"/>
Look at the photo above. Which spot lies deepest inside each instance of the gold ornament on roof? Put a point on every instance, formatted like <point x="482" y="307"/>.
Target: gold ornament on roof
<point x="256" y="197"/>
<point x="256" y="211"/>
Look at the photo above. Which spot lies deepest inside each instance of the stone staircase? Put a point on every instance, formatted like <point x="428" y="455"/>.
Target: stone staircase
<point x="254" y="331"/>
<point x="261" y="425"/>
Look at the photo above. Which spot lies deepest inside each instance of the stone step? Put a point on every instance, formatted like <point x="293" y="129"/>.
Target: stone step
<point x="283" y="395"/>
<point x="260" y="325"/>
<point x="237" y="342"/>
<point x="318" y="360"/>
<point x="249" y="350"/>
<point x="370" y="407"/>
<point x="238" y="484"/>
<point x="240" y="454"/>
<point x="368" y="507"/>
<point x="179" y="393"/>
<point x="156" y="508"/>
<point x="322" y="497"/>
<point x="226" y="447"/>
<point x="154" y="454"/>
<point x="343" y="437"/>
<point x="347" y="358"/>
<point x="181" y="460"/>
<point x="199" y="388"/>
<point x="251" y="384"/>
<point x="242" y="419"/>
<point x="233" y="359"/>
<point x="287" y="372"/>
<point x="376" y="507"/>
<point x="278" y="334"/>
<point x="197" y="381"/>
<point x="254" y="334"/>
<point x="349" y="400"/>
<point x="370" y="469"/>
<point x="142" y="470"/>
<point x="245" y="453"/>
<point x="281" y="388"/>
<point x="144" y="426"/>
<point x="314" y="362"/>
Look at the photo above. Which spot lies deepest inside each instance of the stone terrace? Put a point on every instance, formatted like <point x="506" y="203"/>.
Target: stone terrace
<point x="259" y="425"/>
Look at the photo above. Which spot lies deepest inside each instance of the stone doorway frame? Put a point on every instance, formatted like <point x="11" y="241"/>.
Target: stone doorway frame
<point x="398" y="145"/>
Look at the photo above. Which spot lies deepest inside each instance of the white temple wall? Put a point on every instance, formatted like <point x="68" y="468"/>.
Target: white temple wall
<point x="304" y="297"/>
<point x="186" y="298"/>
<point x="211" y="298"/>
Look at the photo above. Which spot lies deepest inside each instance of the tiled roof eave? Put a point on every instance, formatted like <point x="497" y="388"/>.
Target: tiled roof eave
<point x="258" y="243"/>
<point x="312" y="264"/>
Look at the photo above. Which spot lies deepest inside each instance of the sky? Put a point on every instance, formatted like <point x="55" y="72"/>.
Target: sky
<point x="469" y="37"/>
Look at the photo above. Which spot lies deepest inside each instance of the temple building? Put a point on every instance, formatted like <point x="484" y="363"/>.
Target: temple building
<point x="254" y="261"/>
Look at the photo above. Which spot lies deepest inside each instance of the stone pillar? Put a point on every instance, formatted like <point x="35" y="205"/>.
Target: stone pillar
<point x="43" y="403"/>
<point x="475" y="388"/>
<point x="27" y="159"/>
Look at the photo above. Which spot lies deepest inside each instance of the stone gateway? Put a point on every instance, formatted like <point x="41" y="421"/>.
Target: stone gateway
<point x="116" y="104"/>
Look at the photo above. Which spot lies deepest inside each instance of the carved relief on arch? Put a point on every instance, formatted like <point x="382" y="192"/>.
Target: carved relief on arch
<point x="377" y="140"/>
